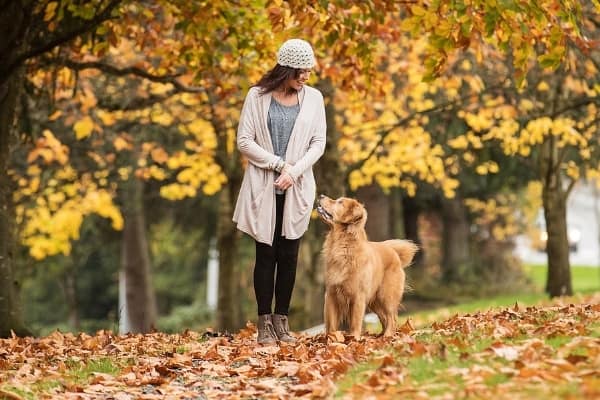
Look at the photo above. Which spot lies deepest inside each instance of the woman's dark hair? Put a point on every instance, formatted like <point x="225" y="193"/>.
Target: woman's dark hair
<point x="275" y="78"/>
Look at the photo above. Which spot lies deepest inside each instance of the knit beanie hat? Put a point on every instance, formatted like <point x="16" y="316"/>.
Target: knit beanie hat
<point x="296" y="53"/>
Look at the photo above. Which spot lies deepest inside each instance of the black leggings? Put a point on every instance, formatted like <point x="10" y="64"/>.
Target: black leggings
<point x="282" y="257"/>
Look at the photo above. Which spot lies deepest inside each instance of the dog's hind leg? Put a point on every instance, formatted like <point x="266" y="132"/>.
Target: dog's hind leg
<point x="330" y="312"/>
<point x="389" y="327"/>
<point x="378" y="309"/>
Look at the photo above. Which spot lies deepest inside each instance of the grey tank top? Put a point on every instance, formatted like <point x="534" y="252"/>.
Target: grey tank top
<point x="281" y="121"/>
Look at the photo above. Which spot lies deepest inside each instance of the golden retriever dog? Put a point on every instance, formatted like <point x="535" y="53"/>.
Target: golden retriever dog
<point x="360" y="274"/>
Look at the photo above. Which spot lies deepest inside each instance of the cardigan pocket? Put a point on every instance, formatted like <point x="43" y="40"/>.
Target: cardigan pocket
<point x="257" y="200"/>
<point x="299" y="206"/>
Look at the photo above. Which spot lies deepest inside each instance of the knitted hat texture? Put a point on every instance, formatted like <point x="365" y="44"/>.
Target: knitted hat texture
<point x="296" y="53"/>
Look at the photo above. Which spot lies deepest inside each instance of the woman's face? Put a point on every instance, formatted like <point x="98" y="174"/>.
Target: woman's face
<point x="298" y="82"/>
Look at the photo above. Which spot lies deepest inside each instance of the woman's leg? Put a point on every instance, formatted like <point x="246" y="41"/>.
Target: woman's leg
<point x="264" y="277"/>
<point x="266" y="260"/>
<point x="287" y="259"/>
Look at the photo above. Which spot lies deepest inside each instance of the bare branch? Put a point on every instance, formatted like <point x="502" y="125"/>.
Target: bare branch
<point x="112" y="70"/>
<point x="85" y="26"/>
<point x="575" y="105"/>
<point x="136" y="103"/>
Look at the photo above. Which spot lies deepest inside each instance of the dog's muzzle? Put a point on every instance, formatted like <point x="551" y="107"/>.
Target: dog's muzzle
<point x="323" y="213"/>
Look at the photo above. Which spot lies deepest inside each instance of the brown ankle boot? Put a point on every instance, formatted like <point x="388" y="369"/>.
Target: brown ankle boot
<point x="282" y="330"/>
<point x="266" y="332"/>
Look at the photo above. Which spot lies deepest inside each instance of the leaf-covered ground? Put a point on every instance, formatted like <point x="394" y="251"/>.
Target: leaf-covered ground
<point x="514" y="353"/>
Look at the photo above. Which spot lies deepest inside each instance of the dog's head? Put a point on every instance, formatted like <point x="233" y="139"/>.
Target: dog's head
<point x="344" y="211"/>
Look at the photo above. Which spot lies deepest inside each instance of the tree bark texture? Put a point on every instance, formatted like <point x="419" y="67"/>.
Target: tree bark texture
<point x="11" y="318"/>
<point x="69" y="286"/>
<point x="455" y="239"/>
<point x="558" y="281"/>
<point x="228" y="303"/>
<point x="410" y="216"/>
<point x="135" y="260"/>
<point x="377" y="204"/>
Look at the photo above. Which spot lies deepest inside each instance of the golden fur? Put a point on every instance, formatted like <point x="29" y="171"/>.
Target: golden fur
<point x="360" y="274"/>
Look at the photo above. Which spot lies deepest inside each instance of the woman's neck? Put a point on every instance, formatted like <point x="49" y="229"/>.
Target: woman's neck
<point x="286" y="96"/>
<point x="286" y="92"/>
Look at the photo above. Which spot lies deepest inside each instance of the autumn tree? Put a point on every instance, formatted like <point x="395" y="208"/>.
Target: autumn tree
<point x="543" y="40"/>
<point x="26" y="34"/>
<point x="545" y="117"/>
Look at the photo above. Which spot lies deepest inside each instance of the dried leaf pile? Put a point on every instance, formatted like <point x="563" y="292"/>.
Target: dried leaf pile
<point x="518" y="352"/>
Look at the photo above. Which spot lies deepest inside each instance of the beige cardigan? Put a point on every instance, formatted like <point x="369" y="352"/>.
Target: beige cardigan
<point x="255" y="208"/>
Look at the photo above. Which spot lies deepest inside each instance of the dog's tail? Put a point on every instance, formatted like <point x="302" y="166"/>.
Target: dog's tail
<point x="405" y="248"/>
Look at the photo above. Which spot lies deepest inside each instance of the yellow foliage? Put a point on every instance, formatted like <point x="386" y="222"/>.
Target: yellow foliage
<point x="176" y="191"/>
<point x="572" y="170"/>
<point x="50" y="11"/>
<point x="124" y="173"/>
<point x="459" y="142"/>
<point x="190" y="99"/>
<point x="526" y="105"/>
<point x="159" y="155"/>
<point x="160" y="117"/>
<point x="478" y="122"/>
<point x="543" y="86"/>
<point x="157" y="173"/>
<point x="200" y="128"/>
<point x="107" y="118"/>
<point x="83" y="128"/>
<point x="55" y="221"/>
<point x="122" y="144"/>
<point x="160" y="88"/>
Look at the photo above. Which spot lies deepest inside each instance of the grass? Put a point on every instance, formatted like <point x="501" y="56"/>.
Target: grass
<point x="10" y="391"/>
<point x="430" y="371"/>
<point x="80" y="373"/>
<point x="585" y="280"/>
<point x="355" y="375"/>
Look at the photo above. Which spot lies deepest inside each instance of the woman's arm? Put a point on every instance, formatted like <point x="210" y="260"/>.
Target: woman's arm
<point x="246" y="137"/>
<point x="316" y="146"/>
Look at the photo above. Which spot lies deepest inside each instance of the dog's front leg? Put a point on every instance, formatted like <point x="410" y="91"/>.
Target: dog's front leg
<point x="332" y="318"/>
<point x="357" y="314"/>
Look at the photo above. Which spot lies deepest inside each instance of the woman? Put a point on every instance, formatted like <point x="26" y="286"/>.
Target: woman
<point x="282" y="134"/>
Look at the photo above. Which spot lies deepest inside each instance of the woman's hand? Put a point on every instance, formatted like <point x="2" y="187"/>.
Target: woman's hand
<point x="284" y="181"/>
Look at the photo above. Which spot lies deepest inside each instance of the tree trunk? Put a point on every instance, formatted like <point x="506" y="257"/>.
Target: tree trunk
<point x="396" y="222"/>
<point x="455" y="240"/>
<point x="377" y="204"/>
<point x="228" y="306"/>
<point x="135" y="260"/>
<point x="410" y="215"/>
<point x="69" y="285"/>
<point x="229" y="302"/>
<point x="10" y="311"/>
<point x="597" y="218"/>
<point x="558" y="281"/>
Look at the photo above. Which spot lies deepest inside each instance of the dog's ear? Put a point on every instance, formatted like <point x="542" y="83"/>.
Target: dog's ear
<point x="355" y="213"/>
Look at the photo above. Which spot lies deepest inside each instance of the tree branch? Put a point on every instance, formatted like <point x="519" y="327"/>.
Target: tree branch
<point x="383" y="134"/>
<point x="136" y="103"/>
<point x="85" y="26"/>
<point x="112" y="70"/>
<point x="575" y="105"/>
